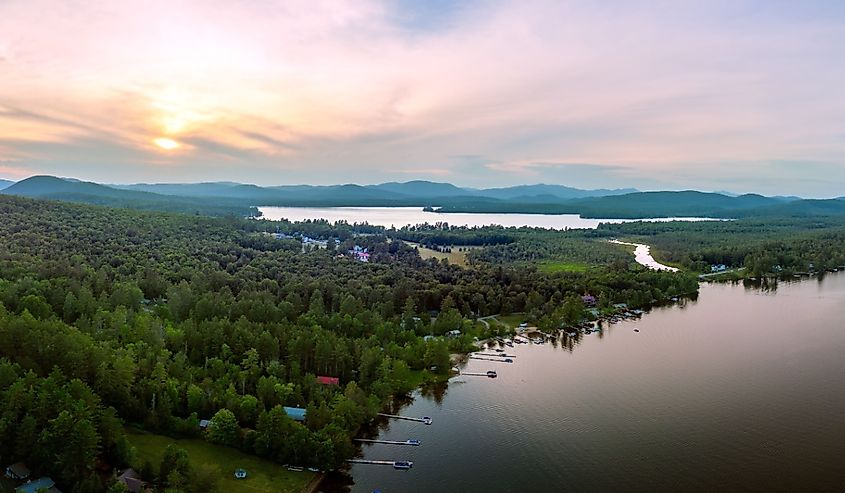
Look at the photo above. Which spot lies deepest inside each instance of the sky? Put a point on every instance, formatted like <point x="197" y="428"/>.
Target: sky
<point x="744" y="96"/>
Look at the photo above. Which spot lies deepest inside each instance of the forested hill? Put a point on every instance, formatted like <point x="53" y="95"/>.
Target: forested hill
<point x="51" y="187"/>
<point x="665" y="204"/>
<point x="113" y="316"/>
<point x="225" y="198"/>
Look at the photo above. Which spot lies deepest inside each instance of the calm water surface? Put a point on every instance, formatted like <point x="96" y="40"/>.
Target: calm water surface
<point x="401" y="216"/>
<point x="740" y="390"/>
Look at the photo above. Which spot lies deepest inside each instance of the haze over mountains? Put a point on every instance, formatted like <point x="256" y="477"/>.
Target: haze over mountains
<point x="222" y="198"/>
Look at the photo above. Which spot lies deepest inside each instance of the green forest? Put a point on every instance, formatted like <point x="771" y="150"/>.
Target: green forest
<point x="116" y="318"/>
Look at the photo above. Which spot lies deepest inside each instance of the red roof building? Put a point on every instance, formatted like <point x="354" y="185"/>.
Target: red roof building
<point x="328" y="380"/>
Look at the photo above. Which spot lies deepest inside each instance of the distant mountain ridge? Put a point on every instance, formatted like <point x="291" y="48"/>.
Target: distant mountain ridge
<point x="72" y="190"/>
<point x="225" y="198"/>
<point x="5" y="183"/>
<point x="391" y="191"/>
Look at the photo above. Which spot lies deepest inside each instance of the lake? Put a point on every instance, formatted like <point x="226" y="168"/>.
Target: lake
<point x="401" y="216"/>
<point x="741" y="389"/>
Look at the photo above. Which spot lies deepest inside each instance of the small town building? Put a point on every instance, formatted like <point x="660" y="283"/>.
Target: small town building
<point x="328" y="380"/>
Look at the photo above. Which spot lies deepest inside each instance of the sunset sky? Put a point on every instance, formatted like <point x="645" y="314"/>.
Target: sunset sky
<point x="712" y="95"/>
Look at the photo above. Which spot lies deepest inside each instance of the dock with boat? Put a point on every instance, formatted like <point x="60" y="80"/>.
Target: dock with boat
<point x="488" y="373"/>
<point x="425" y="419"/>
<point x="397" y="464"/>
<point x="412" y="442"/>
<point x="497" y="360"/>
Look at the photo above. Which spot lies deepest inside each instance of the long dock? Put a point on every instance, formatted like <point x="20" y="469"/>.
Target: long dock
<point x="490" y="359"/>
<point x="397" y="464"/>
<point x="424" y="419"/>
<point x="497" y="355"/>
<point x="489" y="374"/>
<point x="413" y="443"/>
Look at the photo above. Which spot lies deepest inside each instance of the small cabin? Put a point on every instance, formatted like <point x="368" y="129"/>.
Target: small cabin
<point x="132" y="480"/>
<point x="17" y="471"/>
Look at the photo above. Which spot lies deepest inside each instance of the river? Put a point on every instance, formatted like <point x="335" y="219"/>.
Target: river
<point x="401" y="216"/>
<point x="740" y="389"/>
<point x="642" y="255"/>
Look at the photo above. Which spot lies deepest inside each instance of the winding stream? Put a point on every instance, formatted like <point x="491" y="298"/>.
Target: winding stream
<point x="642" y="254"/>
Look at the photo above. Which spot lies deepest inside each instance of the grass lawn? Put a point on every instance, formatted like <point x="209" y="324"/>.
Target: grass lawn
<point x="264" y="476"/>
<point x="511" y="321"/>
<point x="551" y="266"/>
<point x="455" y="257"/>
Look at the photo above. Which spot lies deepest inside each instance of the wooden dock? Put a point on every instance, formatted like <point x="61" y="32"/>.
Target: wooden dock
<point x="491" y="374"/>
<point x="497" y="355"/>
<point x="397" y="464"/>
<point x="424" y="419"/>
<point x="412" y="443"/>
<point x="490" y="359"/>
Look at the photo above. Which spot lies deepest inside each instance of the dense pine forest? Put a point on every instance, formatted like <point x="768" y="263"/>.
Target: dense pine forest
<point x="112" y="318"/>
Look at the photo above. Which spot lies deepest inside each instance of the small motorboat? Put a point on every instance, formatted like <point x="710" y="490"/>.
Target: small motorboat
<point x="403" y="464"/>
<point x="508" y="360"/>
<point x="426" y="420"/>
<point x="414" y="442"/>
<point x="492" y="373"/>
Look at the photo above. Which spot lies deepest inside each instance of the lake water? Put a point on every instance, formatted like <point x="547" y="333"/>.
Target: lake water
<point x="401" y="216"/>
<point x="742" y="389"/>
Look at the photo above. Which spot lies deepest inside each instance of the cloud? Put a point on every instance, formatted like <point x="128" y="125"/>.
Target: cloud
<point x="644" y="95"/>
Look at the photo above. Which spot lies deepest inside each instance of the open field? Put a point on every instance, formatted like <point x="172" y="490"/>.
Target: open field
<point x="511" y="321"/>
<point x="264" y="476"/>
<point x="454" y="257"/>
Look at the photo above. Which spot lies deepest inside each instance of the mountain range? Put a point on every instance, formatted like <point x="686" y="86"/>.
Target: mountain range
<point x="228" y="198"/>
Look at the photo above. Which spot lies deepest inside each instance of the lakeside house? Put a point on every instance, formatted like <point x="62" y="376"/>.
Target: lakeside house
<point x="589" y="300"/>
<point x="295" y="413"/>
<point x="17" y="471"/>
<point x="360" y="254"/>
<point x="454" y="333"/>
<point x="718" y="268"/>
<point x="132" y="480"/>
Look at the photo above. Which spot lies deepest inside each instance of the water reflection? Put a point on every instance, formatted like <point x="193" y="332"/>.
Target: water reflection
<point x="672" y="407"/>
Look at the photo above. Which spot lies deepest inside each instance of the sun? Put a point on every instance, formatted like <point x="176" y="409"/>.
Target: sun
<point x="166" y="144"/>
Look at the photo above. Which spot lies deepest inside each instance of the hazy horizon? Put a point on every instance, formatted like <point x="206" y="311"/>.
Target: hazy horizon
<point x="467" y="187"/>
<point x="744" y="96"/>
